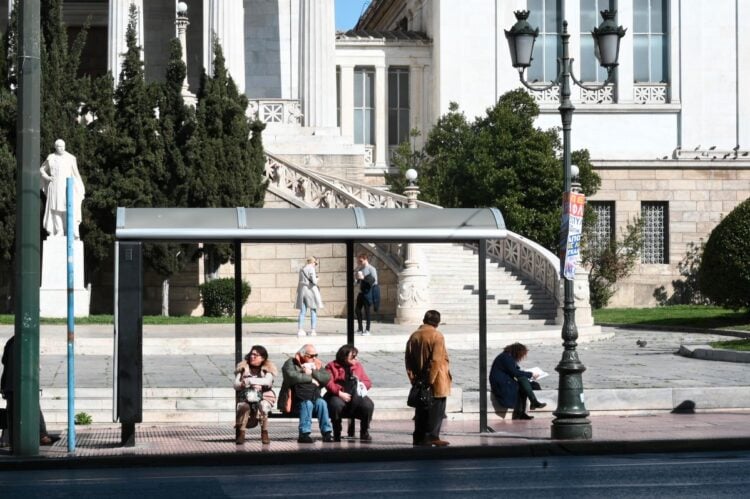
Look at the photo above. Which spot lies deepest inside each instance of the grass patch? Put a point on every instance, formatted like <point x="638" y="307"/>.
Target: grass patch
<point x="157" y="320"/>
<point x="694" y="316"/>
<point x="739" y="345"/>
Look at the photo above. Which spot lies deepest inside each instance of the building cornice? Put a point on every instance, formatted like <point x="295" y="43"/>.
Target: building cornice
<point x="628" y="108"/>
<point x="671" y="164"/>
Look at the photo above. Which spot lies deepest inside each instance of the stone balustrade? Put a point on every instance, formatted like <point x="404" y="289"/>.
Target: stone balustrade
<point x="282" y="111"/>
<point x="326" y="191"/>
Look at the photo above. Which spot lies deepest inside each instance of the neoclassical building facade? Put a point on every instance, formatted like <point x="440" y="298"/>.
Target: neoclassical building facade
<point x="669" y="138"/>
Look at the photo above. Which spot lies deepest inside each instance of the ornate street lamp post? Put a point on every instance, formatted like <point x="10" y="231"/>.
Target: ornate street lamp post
<point x="571" y="415"/>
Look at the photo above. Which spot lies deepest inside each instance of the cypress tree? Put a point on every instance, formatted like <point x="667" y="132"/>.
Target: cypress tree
<point x="137" y="155"/>
<point x="176" y="122"/>
<point x="63" y="90"/>
<point x="98" y="225"/>
<point x="227" y="162"/>
<point x="138" y="162"/>
<point x="7" y="195"/>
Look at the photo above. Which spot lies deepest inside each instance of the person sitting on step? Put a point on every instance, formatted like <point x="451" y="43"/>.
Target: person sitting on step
<point x="512" y="386"/>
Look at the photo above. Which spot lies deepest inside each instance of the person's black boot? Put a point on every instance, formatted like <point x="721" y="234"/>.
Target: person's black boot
<point x="522" y="416"/>
<point x="337" y="430"/>
<point x="535" y="404"/>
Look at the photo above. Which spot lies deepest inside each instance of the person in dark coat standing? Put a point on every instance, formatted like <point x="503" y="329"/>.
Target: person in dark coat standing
<point x="512" y="386"/>
<point x="369" y="292"/>
<point x="426" y="356"/>
<point x="6" y="387"/>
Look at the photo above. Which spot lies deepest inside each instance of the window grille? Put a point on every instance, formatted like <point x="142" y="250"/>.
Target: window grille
<point x="603" y="232"/>
<point x="655" y="232"/>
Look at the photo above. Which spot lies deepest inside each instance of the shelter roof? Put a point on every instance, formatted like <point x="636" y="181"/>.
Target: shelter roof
<point x="295" y="224"/>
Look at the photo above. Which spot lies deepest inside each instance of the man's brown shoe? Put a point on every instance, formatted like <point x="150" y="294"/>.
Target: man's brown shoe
<point x="264" y="438"/>
<point x="46" y="440"/>
<point x="439" y="443"/>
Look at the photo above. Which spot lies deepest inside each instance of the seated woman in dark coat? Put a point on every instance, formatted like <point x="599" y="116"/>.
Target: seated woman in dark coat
<point x="510" y="385"/>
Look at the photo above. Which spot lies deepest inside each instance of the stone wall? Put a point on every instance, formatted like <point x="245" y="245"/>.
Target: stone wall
<point x="698" y="193"/>
<point x="273" y="271"/>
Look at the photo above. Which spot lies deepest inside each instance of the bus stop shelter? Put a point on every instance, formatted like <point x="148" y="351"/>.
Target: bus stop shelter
<point x="135" y="226"/>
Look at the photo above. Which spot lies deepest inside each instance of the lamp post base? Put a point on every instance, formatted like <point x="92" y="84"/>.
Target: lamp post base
<point x="571" y="429"/>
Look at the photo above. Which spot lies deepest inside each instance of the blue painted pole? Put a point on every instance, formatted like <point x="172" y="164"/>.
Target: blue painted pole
<point x="69" y="229"/>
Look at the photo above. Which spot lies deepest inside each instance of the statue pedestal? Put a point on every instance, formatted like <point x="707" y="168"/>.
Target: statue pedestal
<point x="53" y="295"/>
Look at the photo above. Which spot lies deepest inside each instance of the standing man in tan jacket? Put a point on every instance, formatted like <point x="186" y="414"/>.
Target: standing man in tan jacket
<point x="426" y="356"/>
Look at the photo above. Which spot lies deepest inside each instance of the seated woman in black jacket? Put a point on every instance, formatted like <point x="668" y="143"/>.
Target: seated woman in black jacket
<point x="510" y="385"/>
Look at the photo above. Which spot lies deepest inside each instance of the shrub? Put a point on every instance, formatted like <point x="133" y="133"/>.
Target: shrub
<point x="687" y="290"/>
<point x="83" y="418"/>
<point x="724" y="275"/>
<point x="218" y="296"/>
<point x="610" y="262"/>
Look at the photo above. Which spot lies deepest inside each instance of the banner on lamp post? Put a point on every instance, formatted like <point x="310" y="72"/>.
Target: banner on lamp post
<point x="570" y="233"/>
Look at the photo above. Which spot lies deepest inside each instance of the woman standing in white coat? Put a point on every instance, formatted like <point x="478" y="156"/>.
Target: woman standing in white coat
<point x="308" y="296"/>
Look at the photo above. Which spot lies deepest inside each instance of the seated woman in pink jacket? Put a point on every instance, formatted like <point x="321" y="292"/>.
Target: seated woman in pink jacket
<point x="346" y="392"/>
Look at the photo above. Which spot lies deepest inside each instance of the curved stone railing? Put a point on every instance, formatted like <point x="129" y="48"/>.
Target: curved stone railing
<point x="320" y="190"/>
<point x="529" y="258"/>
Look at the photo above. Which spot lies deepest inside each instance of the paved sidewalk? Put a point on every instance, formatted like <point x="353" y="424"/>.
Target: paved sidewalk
<point x="649" y="380"/>
<point x="159" y="445"/>
<point x="194" y="387"/>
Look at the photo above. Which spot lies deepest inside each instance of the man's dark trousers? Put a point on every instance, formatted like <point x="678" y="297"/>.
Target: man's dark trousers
<point x="427" y="422"/>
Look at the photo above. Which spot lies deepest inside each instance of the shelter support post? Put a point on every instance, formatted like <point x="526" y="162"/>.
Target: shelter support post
<point x="129" y="338"/>
<point x="349" y="294"/>
<point x="237" y="311"/>
<point x="482" y="272"/>
<point x="237" y="302"/>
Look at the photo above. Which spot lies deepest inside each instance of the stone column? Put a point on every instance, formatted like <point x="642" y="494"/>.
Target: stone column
<point x="416" y="89"/>
<point x="226" y="20"/>
<point x="381" y="106"/>
<point x="347" y="101"/>
<point x="413" y="280"/>
<point x="119" y="16"/>
<point x="317" y="63"/>
<point x="624" y="83"/>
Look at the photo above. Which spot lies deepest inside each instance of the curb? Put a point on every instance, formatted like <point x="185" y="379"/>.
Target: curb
<point x="653" y="327"/>
<point x="538" y="450"/>
<point x="707" y="352"/>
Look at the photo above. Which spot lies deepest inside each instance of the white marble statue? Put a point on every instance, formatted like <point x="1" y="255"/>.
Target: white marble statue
<point x="55" y="170"/>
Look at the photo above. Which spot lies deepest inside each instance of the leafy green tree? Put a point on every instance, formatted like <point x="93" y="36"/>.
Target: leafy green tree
<point x="724" y="275"/>
<point x="405" y="157"/>
<point x="502" y="160"/>
<point x="227" y="161"/>
<point x="687" y="289"/>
